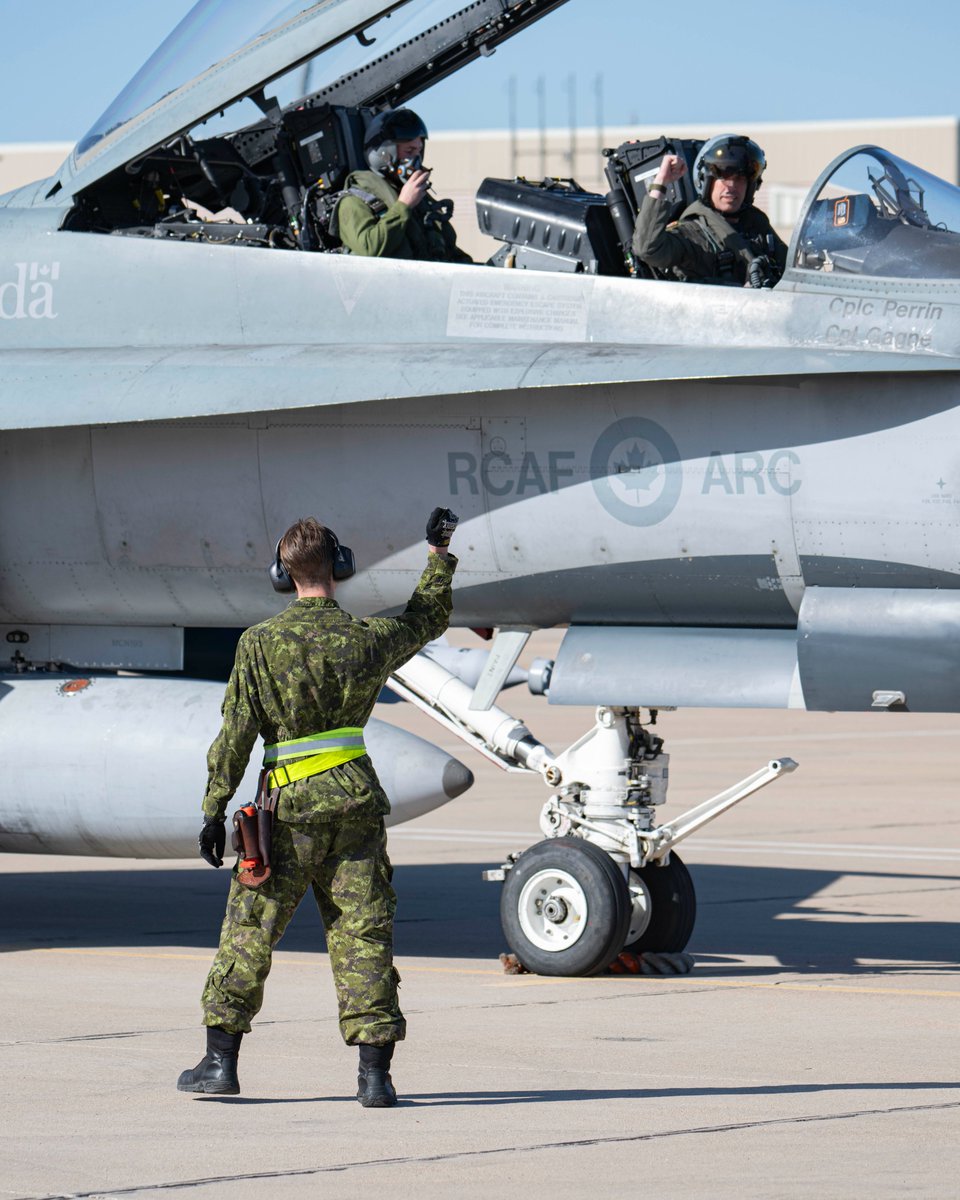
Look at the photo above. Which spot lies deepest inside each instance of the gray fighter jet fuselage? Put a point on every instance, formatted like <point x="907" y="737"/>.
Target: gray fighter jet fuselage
<point x="638" y="458"/>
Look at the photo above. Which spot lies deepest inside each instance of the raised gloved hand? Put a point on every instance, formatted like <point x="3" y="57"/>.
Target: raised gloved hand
<point x="212" y="840"/>
<point x="440" y="526"/>
<point x="763" y="272"/>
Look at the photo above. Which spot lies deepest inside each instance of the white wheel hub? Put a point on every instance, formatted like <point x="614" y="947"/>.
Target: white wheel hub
<point x="552" y="910"/>
<point x="640" y="908"/>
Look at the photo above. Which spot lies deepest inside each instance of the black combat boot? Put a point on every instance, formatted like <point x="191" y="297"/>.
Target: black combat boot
<point x="374" y="1086"/>
<point x="216" y="1073"/>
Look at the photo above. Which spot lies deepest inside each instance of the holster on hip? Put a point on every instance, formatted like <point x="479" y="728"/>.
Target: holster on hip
<point x="253" y="835"/>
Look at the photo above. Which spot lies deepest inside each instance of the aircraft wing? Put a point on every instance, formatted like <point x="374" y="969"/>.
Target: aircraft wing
<point x="112" y="385"/>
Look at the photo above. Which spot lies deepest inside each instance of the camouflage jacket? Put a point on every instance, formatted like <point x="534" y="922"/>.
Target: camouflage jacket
<point x="311" y="668"/>
<point x="690" y="248"/>
<point x="395" y="231"/>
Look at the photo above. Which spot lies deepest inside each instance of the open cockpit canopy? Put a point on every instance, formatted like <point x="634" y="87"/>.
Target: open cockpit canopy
<point x="290" y="53"/>
<point x="873" y="214"/>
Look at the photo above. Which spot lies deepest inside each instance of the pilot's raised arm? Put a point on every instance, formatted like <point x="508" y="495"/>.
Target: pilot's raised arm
<point x="721" y="237"/>
<point x="387" y="212"/>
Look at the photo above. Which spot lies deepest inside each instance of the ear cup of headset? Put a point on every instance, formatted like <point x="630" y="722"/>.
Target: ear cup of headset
<point x="344" y="566"/>
<point x="278" y="574"/>
<point x="344" y="563"/>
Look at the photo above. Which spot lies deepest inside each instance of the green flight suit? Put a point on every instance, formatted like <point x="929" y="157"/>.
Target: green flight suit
<point x="389" y="228"/>
<point x="312" y="668"/>
<point x="691" y="248"/>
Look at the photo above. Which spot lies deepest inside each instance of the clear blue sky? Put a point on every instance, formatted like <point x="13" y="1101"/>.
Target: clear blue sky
<point x="63" y="62"/>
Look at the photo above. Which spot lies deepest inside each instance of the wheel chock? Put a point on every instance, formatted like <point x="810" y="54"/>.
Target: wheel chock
<point x="649" y="963"/>
<point x="512" y="965"/>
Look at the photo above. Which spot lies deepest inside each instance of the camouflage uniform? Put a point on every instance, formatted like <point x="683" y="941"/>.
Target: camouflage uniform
<point x="395" y="231"/>
<point x="313" y="668"/>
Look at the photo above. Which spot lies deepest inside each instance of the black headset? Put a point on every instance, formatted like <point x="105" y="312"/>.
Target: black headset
<point x="344" y="566"/>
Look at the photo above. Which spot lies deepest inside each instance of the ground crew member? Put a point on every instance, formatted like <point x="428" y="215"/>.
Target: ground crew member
<point x="721" y="237"/>
<point x="387" y="212"/>
<point x="306" y="680"/>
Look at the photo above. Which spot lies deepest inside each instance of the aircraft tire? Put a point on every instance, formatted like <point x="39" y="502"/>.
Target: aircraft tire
<point x="671" y="903"/>
<point x="565" y="908"/>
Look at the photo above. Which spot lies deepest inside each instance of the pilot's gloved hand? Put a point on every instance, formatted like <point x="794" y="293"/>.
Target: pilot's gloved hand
<point x="440" y="527"/>
<point x="415" y="188"/>
<point x="763" y="272"/>
<point x="212" y="840"/>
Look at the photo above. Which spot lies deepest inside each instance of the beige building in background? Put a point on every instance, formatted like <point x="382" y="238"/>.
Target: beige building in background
<point x="796" y="154"/>
<point x="23" y="162"/>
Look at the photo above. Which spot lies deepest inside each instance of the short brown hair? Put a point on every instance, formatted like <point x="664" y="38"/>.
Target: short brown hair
<point x="307" y="551"/>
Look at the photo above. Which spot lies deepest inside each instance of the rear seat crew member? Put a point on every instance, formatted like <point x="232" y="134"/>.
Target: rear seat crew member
<point x="387" y="212"/>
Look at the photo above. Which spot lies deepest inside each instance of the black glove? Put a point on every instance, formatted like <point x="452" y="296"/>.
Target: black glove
<point x="763" y="272"/>
<point x="212" y="840"/>
<point x="440" y="526"/>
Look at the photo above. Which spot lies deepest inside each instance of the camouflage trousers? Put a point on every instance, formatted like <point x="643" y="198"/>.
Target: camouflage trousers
<point x="346" y="864"/>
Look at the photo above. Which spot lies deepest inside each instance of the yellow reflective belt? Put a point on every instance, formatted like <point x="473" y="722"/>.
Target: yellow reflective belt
<point x="314" y="753"/>
<point x="350" y="737"/>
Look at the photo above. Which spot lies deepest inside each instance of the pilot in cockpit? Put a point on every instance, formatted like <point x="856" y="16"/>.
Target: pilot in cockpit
<point x="721" y="237"/>
<point x="388" y="211"/>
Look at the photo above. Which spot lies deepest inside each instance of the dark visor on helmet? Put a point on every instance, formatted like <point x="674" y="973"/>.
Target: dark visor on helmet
<point x="404" y="127"/>
<point x="727" y="161"/>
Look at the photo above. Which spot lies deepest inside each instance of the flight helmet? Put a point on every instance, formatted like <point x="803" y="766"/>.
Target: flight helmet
<point x="721" y="153"/>
<point x="386" y="129"/>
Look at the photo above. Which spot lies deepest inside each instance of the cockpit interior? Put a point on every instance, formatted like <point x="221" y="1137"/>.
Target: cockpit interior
<point x="266" y="167"/>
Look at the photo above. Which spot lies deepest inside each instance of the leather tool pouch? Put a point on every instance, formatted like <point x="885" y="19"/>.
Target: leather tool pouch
<point x="253" y="835"/>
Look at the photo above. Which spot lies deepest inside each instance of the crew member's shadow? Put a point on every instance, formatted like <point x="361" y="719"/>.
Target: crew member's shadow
<point x="578" y="1095"/>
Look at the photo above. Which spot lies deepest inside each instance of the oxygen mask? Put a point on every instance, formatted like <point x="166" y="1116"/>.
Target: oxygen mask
<point x="407" y="166"/>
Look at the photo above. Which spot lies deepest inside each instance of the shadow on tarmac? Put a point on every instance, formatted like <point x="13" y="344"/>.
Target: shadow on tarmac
<point x="548" y="1095"/>
<point x="577" y="1095"/>
<point x="447" y="911"/>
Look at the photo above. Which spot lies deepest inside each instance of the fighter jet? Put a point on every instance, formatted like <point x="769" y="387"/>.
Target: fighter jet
<point x="729" y="497"/>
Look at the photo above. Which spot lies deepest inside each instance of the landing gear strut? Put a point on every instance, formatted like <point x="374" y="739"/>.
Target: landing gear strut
<point x="606" y="879"/>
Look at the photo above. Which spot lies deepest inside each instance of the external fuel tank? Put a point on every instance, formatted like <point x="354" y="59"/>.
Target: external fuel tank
<point x="116" y="766"/>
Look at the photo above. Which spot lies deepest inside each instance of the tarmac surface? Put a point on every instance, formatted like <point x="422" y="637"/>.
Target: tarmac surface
<point x="813" y="1052"/>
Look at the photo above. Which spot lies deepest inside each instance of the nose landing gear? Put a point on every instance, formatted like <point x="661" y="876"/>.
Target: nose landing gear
<point x="565" y="912"/>
<point x="607" y="879"/>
